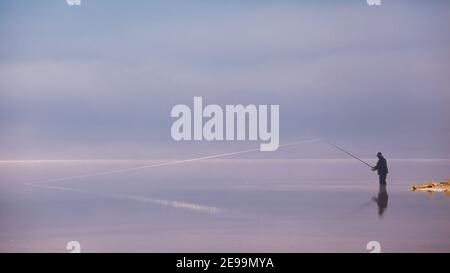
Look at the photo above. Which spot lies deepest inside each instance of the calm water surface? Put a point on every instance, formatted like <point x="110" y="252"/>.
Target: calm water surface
<point x="222" y="205"/>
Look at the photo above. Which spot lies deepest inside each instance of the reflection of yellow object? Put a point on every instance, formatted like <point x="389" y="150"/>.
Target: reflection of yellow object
<point x="433" y="187"/>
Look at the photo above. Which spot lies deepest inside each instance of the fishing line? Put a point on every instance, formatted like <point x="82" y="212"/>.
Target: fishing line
<point x="162" y="202"/>
<point x="167" y="163"/>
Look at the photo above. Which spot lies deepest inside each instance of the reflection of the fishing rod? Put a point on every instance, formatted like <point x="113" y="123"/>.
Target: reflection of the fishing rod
<point x="358" y="208"/>
<point x="381" y="200"/>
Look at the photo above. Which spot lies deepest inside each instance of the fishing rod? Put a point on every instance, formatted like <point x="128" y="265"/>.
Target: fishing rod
<point x="350" y="154"/>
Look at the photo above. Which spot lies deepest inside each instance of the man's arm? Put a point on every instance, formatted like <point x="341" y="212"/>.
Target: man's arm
<point x="376" y="166"/>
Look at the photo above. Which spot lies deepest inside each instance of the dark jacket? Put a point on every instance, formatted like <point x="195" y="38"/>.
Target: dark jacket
<point x="381" y="166"/>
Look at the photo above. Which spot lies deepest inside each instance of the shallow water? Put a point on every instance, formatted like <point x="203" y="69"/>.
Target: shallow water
<point x="222" y="205"/>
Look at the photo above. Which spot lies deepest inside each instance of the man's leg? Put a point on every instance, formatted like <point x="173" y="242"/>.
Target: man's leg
<point x="383" y="179"/>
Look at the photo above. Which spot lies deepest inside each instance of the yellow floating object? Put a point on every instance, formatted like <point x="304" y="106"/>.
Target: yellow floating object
<point x="433" y="187"/>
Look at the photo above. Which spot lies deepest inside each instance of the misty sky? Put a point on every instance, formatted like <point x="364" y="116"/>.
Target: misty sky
<point x="100" y="80"/>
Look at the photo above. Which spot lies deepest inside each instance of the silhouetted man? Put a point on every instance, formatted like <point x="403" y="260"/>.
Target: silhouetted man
<point x="382" y="168"/>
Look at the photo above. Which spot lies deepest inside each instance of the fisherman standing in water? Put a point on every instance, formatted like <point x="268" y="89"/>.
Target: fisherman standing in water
<point x="382" y="168"/>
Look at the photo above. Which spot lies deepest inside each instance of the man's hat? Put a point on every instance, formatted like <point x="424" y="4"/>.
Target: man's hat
<point x="379" y="154"/>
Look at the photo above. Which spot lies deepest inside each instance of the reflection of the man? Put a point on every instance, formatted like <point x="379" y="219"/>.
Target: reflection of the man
<point x="381" y="200"/>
